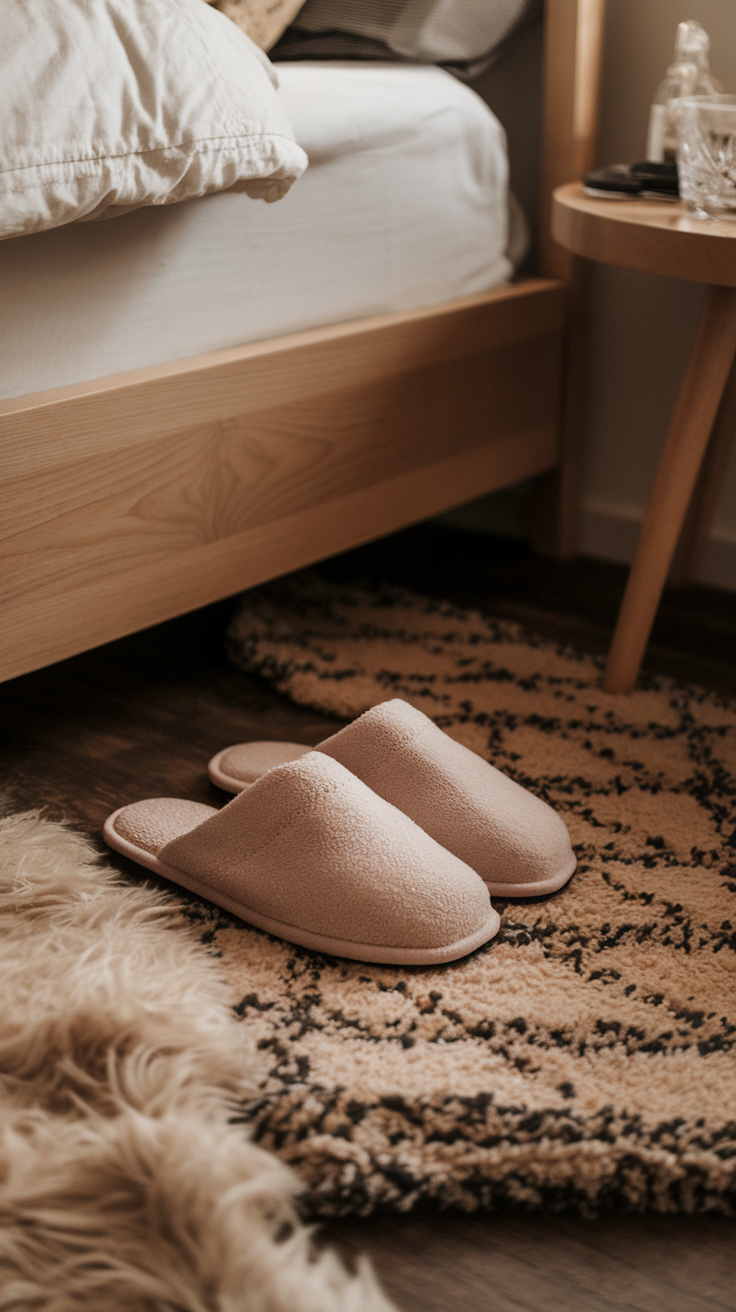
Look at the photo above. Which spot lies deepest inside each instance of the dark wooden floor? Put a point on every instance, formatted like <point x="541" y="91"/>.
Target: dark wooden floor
<point x="140" y="718"/>
<point x="576" y="601"/>
<point x="506" y="1263"/>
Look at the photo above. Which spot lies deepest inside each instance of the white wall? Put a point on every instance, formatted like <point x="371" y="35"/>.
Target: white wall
<point x="642" y="326"/>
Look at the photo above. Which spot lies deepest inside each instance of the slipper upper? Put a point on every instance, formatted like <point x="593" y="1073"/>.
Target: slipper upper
<point x="494" y="825"/>
<point x="314" y="847"/>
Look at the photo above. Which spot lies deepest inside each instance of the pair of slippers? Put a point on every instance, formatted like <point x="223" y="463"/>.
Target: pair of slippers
<point x="383" y="844"/>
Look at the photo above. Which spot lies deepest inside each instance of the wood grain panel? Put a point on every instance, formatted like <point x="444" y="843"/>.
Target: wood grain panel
<point x="105" y="514"/>
<point x="133" y="499"/>
<point x="92" y="608"/>
<point x="125" y="410"/>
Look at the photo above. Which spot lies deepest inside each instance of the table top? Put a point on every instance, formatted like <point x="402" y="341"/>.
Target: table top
<point x="649" y="236"/>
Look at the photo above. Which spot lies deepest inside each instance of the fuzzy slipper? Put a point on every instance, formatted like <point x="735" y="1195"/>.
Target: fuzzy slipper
<point x="517" y="844"/>
<point x="310" y="854"/>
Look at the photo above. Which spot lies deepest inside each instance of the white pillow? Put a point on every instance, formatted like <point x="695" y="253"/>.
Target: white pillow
<point x="108" y="105"/>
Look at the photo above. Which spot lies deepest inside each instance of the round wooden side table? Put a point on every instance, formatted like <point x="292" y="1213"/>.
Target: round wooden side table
<point x="656" y="237"/>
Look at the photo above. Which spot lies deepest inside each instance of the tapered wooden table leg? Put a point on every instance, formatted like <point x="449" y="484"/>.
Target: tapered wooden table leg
<point x="705" y="378"/>
<point x="694" y="536"/>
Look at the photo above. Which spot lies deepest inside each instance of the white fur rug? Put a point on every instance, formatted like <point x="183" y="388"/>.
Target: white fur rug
<point x="123" y="1185"/>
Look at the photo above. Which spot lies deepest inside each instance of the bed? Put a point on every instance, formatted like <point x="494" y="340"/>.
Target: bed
<point x="150" y="466"/>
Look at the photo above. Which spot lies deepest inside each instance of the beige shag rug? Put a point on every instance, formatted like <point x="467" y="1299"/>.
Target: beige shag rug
<point x="124" y="1185"/>
<point x="584" y="1058"/>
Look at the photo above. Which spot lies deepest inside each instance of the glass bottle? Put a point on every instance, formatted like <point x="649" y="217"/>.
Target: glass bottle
<point x="688" y="75"/>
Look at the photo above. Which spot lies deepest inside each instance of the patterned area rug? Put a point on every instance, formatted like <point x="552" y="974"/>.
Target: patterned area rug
<point x="585" y="1057"/>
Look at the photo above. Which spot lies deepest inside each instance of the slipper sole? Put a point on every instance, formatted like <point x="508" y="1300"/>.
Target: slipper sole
<point x="222" y="780"/>
<point x="333" y="947"/>
<point x="539" y="889"/>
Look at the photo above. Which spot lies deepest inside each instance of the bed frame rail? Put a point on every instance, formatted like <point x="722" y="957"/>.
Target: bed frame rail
<point x="134" y="499"/>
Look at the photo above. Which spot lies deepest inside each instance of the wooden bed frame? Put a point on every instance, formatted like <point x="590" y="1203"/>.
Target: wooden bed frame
<point x="131" y="499"/>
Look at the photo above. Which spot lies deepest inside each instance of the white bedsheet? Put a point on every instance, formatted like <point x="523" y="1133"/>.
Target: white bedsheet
<point x="404" y="204"/>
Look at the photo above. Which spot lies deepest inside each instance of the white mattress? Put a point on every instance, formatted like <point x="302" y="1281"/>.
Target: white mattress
<point x="404" y="204"/>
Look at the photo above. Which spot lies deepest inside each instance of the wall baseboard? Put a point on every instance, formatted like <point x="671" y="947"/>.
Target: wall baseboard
<point x="610" y="531"/>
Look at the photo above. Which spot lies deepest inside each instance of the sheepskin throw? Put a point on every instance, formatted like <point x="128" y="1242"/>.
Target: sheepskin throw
<point x="123" y="1185"/>
<point x="583" y="1058"/>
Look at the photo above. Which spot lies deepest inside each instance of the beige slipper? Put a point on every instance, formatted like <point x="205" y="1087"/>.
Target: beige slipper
<point x="517" y="844"/>
<point x="310" y="854"/>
